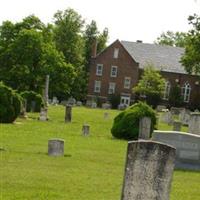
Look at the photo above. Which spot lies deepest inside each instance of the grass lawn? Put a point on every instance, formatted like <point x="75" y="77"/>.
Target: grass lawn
<point x="92" y="168"/>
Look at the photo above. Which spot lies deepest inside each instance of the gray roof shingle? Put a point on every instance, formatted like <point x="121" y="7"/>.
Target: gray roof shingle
<point x="164" y="58"/>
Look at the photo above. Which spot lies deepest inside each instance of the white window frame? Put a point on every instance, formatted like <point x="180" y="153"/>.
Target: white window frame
<point x="99" y="69"/>
<point x="124" y="100"/>
<point x="113" y="73"/>
<point x="111" y="89"/>
<point x="116" y="53"/>
<point x="127" y="82"/>
<point x="97" y="86"/>
<point x="185" y="92"/>
<point x="166" y="91"/>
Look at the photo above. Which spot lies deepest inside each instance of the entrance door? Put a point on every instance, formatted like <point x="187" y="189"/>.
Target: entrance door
<point x="125" y="100"/>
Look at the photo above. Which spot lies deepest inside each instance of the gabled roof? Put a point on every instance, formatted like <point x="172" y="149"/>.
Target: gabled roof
<point x="164" y="58"/>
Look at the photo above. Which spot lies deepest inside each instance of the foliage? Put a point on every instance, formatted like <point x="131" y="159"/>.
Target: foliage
<point x="191" y="58"/>
<point x="10" y="104"/>
<point x="151" y="85"/>
<point x="175" y="98"/>
<point x="126" y="124"/>
<point x="177" y="39"/>
<point x="114" y="100"/>
<point x="34" y="101"/>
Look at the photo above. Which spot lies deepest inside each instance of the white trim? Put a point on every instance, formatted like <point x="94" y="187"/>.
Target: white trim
<point x="111" y="89"/>
<point x="97" y="86"/>
<point x="116" y="53"/>
<point x="127" y="85"/>
<point x="113" y="71"/>
<point x="99" y="69"/>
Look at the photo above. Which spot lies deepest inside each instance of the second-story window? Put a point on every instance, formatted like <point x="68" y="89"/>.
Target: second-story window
<point x="97" y="86"/>
<point x="116" y="53"/>
<point x="99" y="69"/>
<point x="111" y="89"/>
<point x="127" y="82"/>
<point x="113" y="72"/>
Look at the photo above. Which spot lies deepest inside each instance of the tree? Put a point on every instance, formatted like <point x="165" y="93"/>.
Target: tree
<point x="177" y="39"/>
<point x="191" y="58"/>
<point x="151" y="85"/>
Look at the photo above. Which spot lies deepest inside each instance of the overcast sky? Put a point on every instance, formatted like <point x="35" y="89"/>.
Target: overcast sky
<point x="126" y="20"/>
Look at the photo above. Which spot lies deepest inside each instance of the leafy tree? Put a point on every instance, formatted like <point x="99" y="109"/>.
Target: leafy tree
<point x="191" y="58"/>
<point x="177" y="39"/>
<point x="151" y="85"/>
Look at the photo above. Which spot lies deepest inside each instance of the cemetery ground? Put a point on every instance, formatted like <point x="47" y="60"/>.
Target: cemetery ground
<point x="92" y="167"/>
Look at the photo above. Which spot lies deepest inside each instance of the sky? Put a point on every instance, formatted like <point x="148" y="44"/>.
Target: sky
<point x="129" y="20"/>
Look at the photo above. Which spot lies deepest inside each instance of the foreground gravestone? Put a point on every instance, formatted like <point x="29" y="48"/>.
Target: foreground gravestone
<point x="148" y="171"/>
<point x="194" y="123"/>
<point x="56" y="147"/>
<point x="187" y="147"/>
<point x="68" y="113"/>
<point x="86" y="130"/>
<point x="144" y="128"/>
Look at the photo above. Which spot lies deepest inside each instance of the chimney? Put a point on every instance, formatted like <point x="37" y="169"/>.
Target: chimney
<point x="94" y="49"/>
<point x="139" y="41"/>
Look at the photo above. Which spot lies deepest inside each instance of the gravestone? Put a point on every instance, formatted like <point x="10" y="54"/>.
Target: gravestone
<point x="43" y="114"/>
<point x="194" y="123"/>
<point x="71" y="101"/>
<point x="79" y="103"/>
<point x="86" y="130"/>
<point x="160" y="108"/>
<point x="144" y="128"/>
<point x="88" y="103"/>
<point x="93" y="105"/>
<point x="63" y="103"/>
<point x="106" y="115"/>
<point x="56" y="147"/>
<point x="148" y="171"/>
<point x="55" y="101"/>
<point x="184" y="116"/>
<point x="68" y="113"/>
<point x="177" y="126"/>
<point x="167" y="118"/>
<point x="187" y="147"/>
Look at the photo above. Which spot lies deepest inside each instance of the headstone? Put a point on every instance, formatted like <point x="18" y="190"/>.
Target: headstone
<point x="63" y="102"/>
<point x="68" y="113"/>
<point x="159" y="108"/>
<point x="56" y="147"/>
<point x="79" y="103"/>
<point x="93" y="105"/>
<point x="86" y="130"/>
<point x="184" y="116"/>
<point x="106" y="115"/>
<point x="167" y="118"/>
<point x="148" y="171"/>
<point x="88" y="103"/>
<point x="71" y="101"/>
<point x="187" y="147"/>
<point x="43" y="114"/>
<point x="55" y="101"/>
<point x="194" y="123"/>
<point x="106" y="106"/>
<point x="177" y="126"/>
<point x="144" y="128"/>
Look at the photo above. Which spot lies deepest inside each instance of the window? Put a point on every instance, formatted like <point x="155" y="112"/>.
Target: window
<point x="113" y="72"/>
<point x="166" y="90"/>
<point x="97" y="86"/>
<point x="185" y="92"/>
<point x="116" y="53"/>
<point x="127" y="82"/>
<point x="99" y="70"/>
<point x="111" y="89"/>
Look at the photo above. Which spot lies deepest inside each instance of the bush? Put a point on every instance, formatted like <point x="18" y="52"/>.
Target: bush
<point x="34" y="101"/>
<point x="126" y="124"/>
<point x="10" y="104"/>
<point x="114" y="100"/>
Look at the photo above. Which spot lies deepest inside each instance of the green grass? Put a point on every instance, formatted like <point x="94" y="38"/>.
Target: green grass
<point x="92" y="168"/>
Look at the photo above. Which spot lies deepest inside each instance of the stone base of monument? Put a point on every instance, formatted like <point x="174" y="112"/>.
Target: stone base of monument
<point x="56" y="147"/>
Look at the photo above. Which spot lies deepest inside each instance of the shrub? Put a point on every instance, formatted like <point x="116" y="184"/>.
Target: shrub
<point x="126" y="124"/>
<point x="10" y="104"/>
<point x="33" y="98"/>
<point x="114" y="100"/>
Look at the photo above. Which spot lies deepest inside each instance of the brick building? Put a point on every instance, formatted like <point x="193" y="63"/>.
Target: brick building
<point x="117" y="69"/>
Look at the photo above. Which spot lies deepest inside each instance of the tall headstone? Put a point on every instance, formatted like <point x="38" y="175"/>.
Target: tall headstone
<point x="148" y="171"/>
<point x="194" y="123"/>
<point x="68" y="113"/>
<point x="144" y="128"/>
<point x="56" y="147"/>
<point x="86" y="130"/>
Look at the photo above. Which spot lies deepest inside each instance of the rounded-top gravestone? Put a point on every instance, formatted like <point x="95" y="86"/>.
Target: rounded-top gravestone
<point x="56" y="147"/>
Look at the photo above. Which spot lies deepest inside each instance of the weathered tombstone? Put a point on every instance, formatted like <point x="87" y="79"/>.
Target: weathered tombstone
<point x="55" y="101"/>
<point x="144" y="128"/>
<point x="88" y="103"/>
<point x="71" y="101"/>
<point x="167" y="118"/>
<point x="86" y="130"/>
<point x="194" y="123"/>
<point x="68" y="113"/>
<point x="148" y="171"/>
<point x="106" y="115"/>
<point x="93" y="105"/>
<point x="177" y="126"/>
<point x="187" y="147"/>
<point x="56" y="147"/>
<point x="79" y="103"/>
<point x="43" y="114"/>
